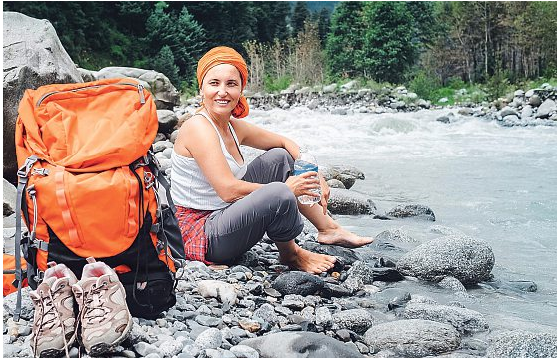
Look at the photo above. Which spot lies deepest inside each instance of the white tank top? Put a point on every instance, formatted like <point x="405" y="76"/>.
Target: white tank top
<point x="190" y="188"/>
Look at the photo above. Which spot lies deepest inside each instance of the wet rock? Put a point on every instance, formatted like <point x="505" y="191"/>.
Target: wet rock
<point x="413" y="210"/>
<point x="463" y="319"/>
<point x="467" y="259"/>
<point x="520" y="344"/>
<point x="348" y="256"/>
<point x="298" y="282"/>
<point x="387" y="274"/>
<point x="348" y="202"/>
<point x="414" y="338"/>
<point x="359" y="274"/>
<point x="335" y="183"/>
<point x="297" y="344"/>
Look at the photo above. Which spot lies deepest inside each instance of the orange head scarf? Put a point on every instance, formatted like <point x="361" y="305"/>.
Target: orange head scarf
<point x="225" y="55"/>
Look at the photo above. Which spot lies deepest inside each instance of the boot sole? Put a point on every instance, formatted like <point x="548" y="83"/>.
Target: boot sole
<point x="100" y="349"/>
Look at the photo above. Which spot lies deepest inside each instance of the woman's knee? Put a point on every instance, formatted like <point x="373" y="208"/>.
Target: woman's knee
<point x="280" y="155"/>
<point x="281" y="196"/>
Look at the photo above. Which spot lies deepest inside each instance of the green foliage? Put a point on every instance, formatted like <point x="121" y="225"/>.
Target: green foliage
<point x="299" y="17"/>
<point x="498" y="85"/>
<point x="164" y="63"/>
<point x="388" y="47"/>
<point x="274" y="84"/>
<point x="345" y="41"/>
<point x="424" y="85"/>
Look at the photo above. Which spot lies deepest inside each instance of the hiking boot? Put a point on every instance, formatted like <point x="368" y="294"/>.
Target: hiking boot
<point x="54" y="319"/>
<point x="103" y="313"/>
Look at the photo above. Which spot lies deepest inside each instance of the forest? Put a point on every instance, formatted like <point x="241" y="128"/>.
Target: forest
<point x="427" y="46"/>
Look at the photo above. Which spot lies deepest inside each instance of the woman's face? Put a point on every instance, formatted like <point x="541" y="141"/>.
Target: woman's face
<point x="221" y="89"/>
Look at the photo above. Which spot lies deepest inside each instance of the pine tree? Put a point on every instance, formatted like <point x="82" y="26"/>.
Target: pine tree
<point x="164" y="63"/>
<point x="388" y="48"/>
<point x="345" y="40"/>
<point x="299" y="17"/>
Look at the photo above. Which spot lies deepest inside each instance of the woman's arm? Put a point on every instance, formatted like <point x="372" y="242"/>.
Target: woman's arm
<point x="198" y="139"/>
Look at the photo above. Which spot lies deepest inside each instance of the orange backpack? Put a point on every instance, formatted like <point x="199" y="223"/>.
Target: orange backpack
<point x="88" y="187"/>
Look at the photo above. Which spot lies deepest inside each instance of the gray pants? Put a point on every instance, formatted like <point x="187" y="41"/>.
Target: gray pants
<point x="272" y="209"/>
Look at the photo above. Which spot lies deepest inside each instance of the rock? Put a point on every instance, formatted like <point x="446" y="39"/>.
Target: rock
<point x="27" y="308"/>
<point x="546" y="108"/>
<point x="535" y="100"/>
<point x="358" y="320"/>
<point x="10" y="197"/>
<point x="349" y="86"/>
<point x="508" y="111"/>
<point x="395" y="235"/>
<point x="412" y="338"/>
<point x="87" y="75"/>
<point x="300" y="344"/>
<point x="467" y="259"/>
<point x="386" y="274"/>
<point x="298" y="282"/>
<point x="210" y="338"/>
<point x="335" y="183"/>
<point x="349" y="202"/>
<point x="412" y="210"/>
<point x="526" y="112"/>
<point x="347" y="256"/>
<point x="266" y="313"/>
<point x="243" y="351"/>
<point x="339" y="111"/>
<point x="167" y="120"/>
<point x="519" y="93"/>
<point x="454" y="285"/>
<point x="463" y="319"/>
<point x="522" y="344"/>
<point x="359" y="274"/>
<point x="144" y="349"/>
<point x="33" y="57"/>
<point x="224" y="291"/>
<point x="165" y="94"/>
<point x="330" y="88"/>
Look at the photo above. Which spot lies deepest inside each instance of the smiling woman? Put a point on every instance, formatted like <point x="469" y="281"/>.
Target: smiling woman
<point x="224" y="205"/>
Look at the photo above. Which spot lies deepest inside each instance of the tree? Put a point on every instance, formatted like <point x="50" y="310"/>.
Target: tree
<point x="164" y="63"/>
<point x="323" y="24"/>
<point x="344" y="43"/>
<point x="299" y="17"/>
<point x="182" y="34"/>
<point x="388" y="48"/>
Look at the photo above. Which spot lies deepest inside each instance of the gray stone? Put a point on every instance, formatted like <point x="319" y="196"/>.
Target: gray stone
<point x="87" y="75"/>
<point x="161" y="146"/>
<point x="454" y="285"/>
<point x="298" y="282"/>
<point x="323" y="317"/>
<point x="346" y="255"/>
<point x="266" y="313"/>
<point x="412" y="210"/>
<point x="11" y="350"/>
<point x="293" y="301"/>
<point x="208" y="321"/>
<point x="535" y="100"/>
<point x="335" y="183"/>
<point x="395" y="235"/>
<point x="330" y="88"/>
<point x="210" y="338"/>
<point x="467" y="259"/>
<point x="519" y="93"/>
<point x="413" y="338"/>
<point x="300" y="344"/>
<point x="529" y="93"/>
<point x="546" y="108"/>
<point x="33" y="57"/>
<point x="348" y="202"/>
<point x="358" y="320"/>
<point x="508" y="111"/>
<point x="171" y="348"/>
<point x="359" y="274"/>
<point x="27" y="309"/>
<point x="165" y="94"/>
<point x="167" y="120"/>
<point x="144" y="349"/>
<point x="527" y="112"/>
<point x="463" y="319"/>
<point x="522" y="344"/>
<point x="10" y="196"/>
<point x="243" y="351"/>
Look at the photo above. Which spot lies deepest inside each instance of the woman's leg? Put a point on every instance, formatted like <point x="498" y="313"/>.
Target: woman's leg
<point x="271" y="209"/>
<point x="276" y="165"/>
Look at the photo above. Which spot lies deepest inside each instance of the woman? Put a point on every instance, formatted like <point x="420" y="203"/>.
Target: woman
<point x="225" y="206"/>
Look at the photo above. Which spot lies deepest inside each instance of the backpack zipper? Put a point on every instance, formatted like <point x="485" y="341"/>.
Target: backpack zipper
<point x="138" y="86"/>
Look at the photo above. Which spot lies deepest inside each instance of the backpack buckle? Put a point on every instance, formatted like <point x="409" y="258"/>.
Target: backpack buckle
<point x="149" y="179"/>
<point x="25" y="169"/>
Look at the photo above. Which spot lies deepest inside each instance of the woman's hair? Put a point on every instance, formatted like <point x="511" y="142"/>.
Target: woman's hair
<point x="225" y="55"/>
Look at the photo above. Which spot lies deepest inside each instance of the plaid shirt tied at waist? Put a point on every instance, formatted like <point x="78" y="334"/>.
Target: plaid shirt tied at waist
<point x="192" y="223"/>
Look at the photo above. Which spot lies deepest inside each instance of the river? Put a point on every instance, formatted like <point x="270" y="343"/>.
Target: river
<point x="481" y="179"/>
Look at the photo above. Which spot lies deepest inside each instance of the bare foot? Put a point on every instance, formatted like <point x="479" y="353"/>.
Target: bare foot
<point x="342" y="237"/>
<point x="308" y="261"/>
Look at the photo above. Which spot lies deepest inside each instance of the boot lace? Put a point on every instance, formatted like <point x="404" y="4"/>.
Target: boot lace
<point x="49" y="318"/>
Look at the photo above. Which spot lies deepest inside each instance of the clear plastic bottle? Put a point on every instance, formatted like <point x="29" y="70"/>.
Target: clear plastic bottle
<point x="306" y="162"/>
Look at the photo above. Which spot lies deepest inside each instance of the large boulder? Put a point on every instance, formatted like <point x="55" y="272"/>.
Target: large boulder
<point x="166" y="95"/>
<point x="33" y="57"/>
<point x="412" y="210"/>
<point x="10" y="195"/>
<point x="300" y="344"/>
<point x="522" y="344"/>
<point x="298" y="283"/>
<point x="349" y="202"/>
<point x="412" y="338"/>
<point x="469" y="260"/>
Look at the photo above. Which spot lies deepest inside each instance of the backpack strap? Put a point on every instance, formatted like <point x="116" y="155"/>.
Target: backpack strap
<point x="23" y="175"/>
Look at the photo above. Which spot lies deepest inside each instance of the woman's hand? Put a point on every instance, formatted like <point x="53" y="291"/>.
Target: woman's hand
<point x="303" y="184"/>
<point x="325" y="193"/>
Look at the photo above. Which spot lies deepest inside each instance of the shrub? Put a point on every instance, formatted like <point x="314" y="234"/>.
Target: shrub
<point x="424" y="85"/>
<point x="273" y="85"/>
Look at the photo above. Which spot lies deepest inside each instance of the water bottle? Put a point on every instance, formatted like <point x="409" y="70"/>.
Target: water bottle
<point x="306" y="162"/>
